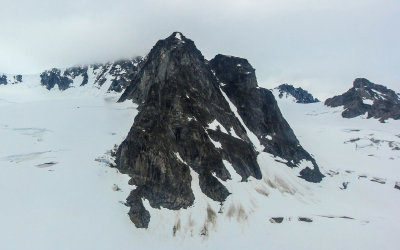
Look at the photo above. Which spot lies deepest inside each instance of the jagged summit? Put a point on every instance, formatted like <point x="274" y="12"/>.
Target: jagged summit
<point x="299" y="94"/>
<point x="366" y="97"/>
<point x="196" y="118"/>
<point x="168" y="53"/>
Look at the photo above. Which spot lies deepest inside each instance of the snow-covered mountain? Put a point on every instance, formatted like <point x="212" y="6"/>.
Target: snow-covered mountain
<point x="197" y="120"/>
<point x="209" y="157"/>
<point x="113" y="76"/>
<point x="365" y="97"/>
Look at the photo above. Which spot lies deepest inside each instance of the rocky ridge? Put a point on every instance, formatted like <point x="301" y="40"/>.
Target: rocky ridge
<point x="116" y="74"/>
<point x="299" y="94"/>
<point x="119" y="73"/>
<point x="195" y="117"/>
<point x="365" y="97"/>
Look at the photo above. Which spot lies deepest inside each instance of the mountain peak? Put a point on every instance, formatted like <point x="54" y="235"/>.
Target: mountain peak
<point x="197" y="120"/>
<point x="367" y="97"/>
<point x="362" y="82"/>
<point x="240" y="73"/>
<point x="167" y="59"/>
<point x="178" y="35"/>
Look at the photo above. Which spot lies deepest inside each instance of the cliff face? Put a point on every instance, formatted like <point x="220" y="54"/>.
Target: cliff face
<point x="260" y="113"/>
<point x="366" y="97"/>
<point x="187" y="125"/>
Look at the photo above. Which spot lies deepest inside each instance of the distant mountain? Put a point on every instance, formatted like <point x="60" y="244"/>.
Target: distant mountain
<point x="115" y="75"/>
<point x="299" y="94"/>
<point x="199" y="116"/>
<point x="365" y="97"/>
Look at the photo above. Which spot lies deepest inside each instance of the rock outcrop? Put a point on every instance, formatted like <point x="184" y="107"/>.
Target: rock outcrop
<point x="119" y="74"/>
<point x="299" y="94"/>
<point x="5" y="79"/>
<point x="366" y="97"/>
<point x="187" y="128"/>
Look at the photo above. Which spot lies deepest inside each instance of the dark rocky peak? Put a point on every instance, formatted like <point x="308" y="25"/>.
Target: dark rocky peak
<point x="119" y="74"/>
<point x="299" y="94"/>
<point x="365" y="97"/>
<point x="184" y="124"/>
<point x="371" y="91"/>
<point x="187" y="126"/>
<point x="53" y="77"/>
<point x="5" y="79"/>
<point x="165" y="59"/>
<point x="260" y="113"/>
<point x="244" y="76"/>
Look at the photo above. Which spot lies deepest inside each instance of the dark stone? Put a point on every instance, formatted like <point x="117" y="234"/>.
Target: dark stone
<point x="344" y="185"/>
<point x="137" y="212"/>
<point x="311" y="175"/>
<point x="397" y="185"/>
<point x="3" y="80"/>
<point x="15" y="79"/>
<point x="276" y="220"/>
<point x="53" y="77"/>
<point x="260" y="112"/>
<point x="346" y="217"/>
<point x="18" y="78"/>
<point x="386" y="103"/>
<point x="378" y="180"/>
<point x="178" y="97"/>
<point x="301" y="95"/>
<point x="123" y="71"/>
<point x="305" y="219"/>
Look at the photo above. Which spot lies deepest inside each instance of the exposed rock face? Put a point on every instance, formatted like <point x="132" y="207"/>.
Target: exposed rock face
<point x="301" y="95"/>
<point x="276" y="220"/>
<point x="260" y="112"/>
<point x="118" y="73"/>
<point x="186" y="129"/>
<point x="53" y="77"/>
<point x="4" y="79"/>
<point x="366" y="97"/>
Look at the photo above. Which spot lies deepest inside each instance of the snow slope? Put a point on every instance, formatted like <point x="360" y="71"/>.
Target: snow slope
<point x="57" y="190"/>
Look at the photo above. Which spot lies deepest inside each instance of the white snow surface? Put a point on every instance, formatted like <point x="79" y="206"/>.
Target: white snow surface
<point x="253" y="138"/>
<point x="368" y="101"/>
<point x="57" y="190"/>
<point x="215" y="125"/>
<point x="178" y="36"/>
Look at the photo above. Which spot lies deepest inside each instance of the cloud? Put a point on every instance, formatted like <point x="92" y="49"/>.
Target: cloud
<point x="322" y="45"/>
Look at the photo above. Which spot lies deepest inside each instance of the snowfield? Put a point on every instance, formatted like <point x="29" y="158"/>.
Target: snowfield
<point x="57" y="191"/>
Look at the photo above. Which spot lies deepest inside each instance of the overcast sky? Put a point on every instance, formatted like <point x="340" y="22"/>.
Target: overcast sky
<point x="321" y="45"/>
